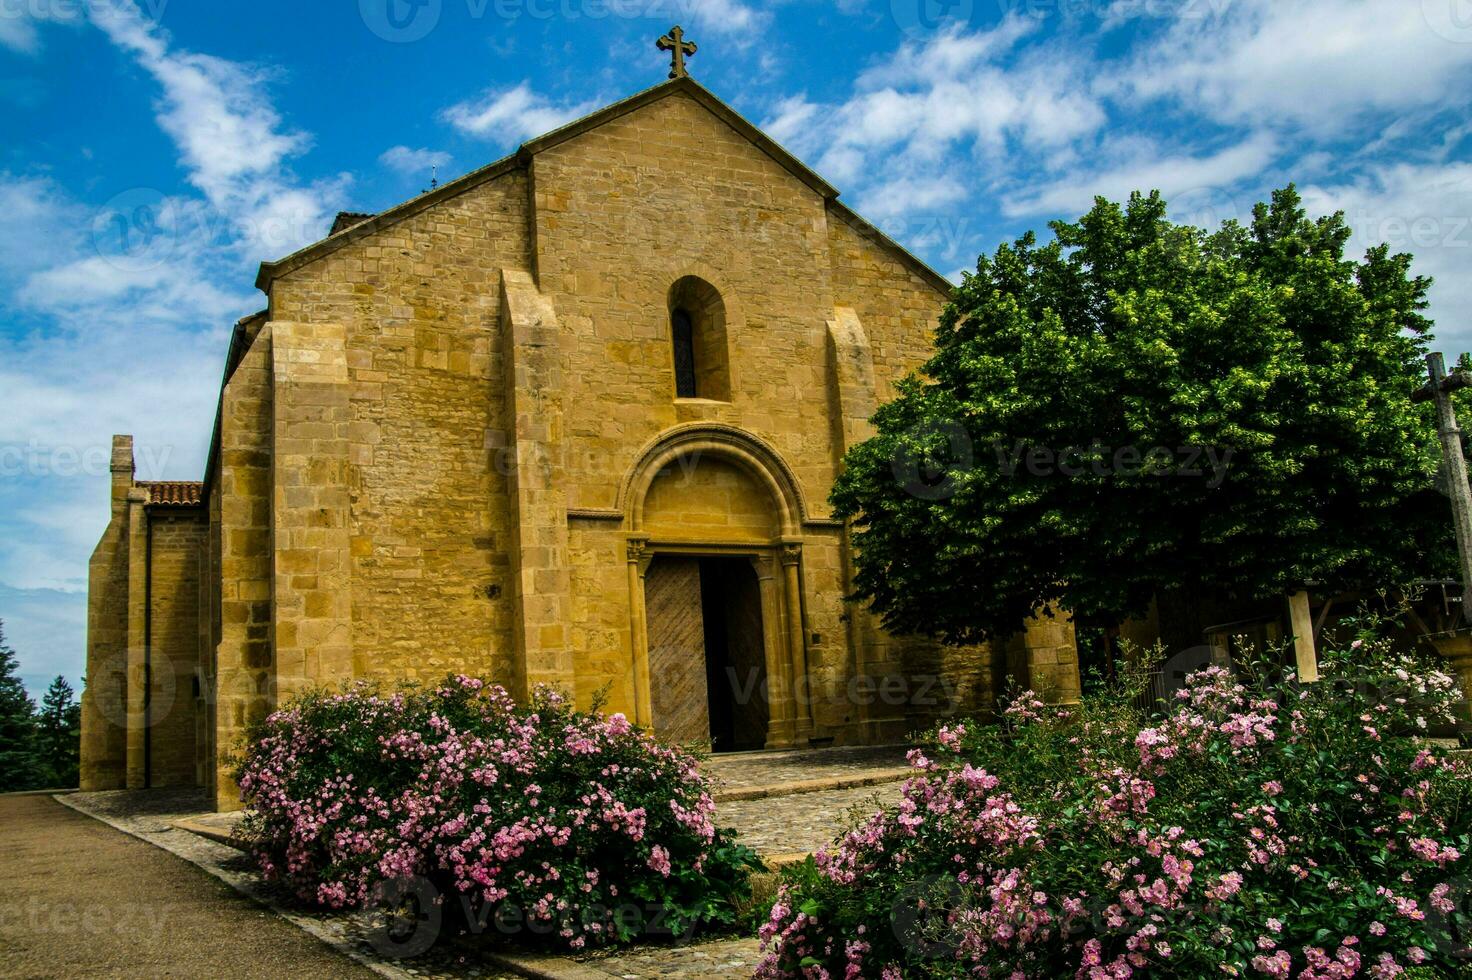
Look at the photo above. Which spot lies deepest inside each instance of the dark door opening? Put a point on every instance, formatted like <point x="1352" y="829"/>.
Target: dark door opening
<point x="707" y="658"/>
<point x="735" y="656"/>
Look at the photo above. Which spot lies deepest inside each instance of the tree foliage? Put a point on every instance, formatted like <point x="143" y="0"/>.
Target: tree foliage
<point x="59" y="734"/>
<point x="1140" y="407"/>
<point x="19" y="767"/>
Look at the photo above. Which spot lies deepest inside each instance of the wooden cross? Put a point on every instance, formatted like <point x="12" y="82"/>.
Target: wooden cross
<point x="1439" y="390"/>
<point x="674" y="42"/>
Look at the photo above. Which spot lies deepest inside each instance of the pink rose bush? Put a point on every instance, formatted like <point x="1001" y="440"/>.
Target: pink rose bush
<point x="556" y="825"/>
<point x="1254" y="828"/>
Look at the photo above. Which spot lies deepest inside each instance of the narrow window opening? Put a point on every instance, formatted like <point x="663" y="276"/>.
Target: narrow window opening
<point x="684" y="339"/>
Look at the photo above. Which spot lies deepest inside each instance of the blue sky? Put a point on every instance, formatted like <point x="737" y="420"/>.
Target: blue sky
<point x="154" y="152"/>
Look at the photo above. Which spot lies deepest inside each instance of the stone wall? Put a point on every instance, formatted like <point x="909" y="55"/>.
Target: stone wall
<point x="243" y="682"/>
<point x="104" y="698"/>
<point x="427" y="439"/>
<point x="174" y="643"/>
<point x="139" y="706"/>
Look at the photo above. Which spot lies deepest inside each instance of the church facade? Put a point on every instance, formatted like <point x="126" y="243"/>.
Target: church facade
<point x="571" y="420"/>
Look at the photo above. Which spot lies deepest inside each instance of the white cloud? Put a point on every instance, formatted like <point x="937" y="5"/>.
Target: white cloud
<point x="923" y="127"/>
<point x="18" y="32"/>
<point x="35" y="217"/>
<point x="511" y="115"/>
<point x="413" y="163"/>
<point x="729" y="18"/>
<point x="1314" y="63"/>
<point x="231" y="139"/>
<point x="903" y="195"/>
<point x="1424" y="209"/>
<point x="48" y="631"/>
<point x="1147" y="167"/>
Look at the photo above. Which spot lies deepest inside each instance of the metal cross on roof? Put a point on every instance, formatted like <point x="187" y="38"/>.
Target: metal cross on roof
<point x="674" y="42"/>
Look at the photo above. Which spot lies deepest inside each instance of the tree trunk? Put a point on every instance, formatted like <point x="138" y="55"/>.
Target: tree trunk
<point x="1181" y="623"/>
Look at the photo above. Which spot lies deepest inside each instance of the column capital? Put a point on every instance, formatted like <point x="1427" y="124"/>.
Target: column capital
<point x="791" y="553"/>
<point x="638" y="550"/>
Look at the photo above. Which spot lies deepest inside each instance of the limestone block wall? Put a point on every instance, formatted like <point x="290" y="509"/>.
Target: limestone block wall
<point x="536" y="395"/>
<point x="626" y="211"/>
<point x="243" y="664"/>
<point x="1044" y="658"/>
<point x="104" y="698"/>
<point x="173" y="589"/>
<point x="599" y="614"/>
<point x="899" y="309"/>
<point x="311" y="594"/>
<point x="139" y="707"/>
<point x="428" y="442"/>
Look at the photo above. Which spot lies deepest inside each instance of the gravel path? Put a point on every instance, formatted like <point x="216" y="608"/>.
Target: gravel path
<point x="82" y="900"/>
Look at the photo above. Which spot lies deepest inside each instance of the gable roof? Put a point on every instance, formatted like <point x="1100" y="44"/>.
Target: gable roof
<point x="342" y="232"/>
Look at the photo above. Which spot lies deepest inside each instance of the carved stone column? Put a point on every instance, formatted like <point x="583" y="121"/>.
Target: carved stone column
<point x="639" y="558"/>
<point x="802" y="688"/>
<point x="781" y="713"/>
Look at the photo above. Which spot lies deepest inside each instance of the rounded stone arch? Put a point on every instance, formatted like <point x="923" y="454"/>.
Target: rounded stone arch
<point x="727" y="444"/>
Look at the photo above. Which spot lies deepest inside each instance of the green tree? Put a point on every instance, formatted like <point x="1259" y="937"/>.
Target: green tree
<point x="59" y="735"/>
<point x="18" y="766"/>
<point x="1140" y="408"/>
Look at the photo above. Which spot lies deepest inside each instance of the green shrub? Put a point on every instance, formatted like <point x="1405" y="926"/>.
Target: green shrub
<point x="1256" y="828"/>
<point x="541" y="823"/>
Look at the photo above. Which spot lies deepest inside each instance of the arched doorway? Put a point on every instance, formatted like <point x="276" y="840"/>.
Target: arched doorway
<point x="713" y="521"/>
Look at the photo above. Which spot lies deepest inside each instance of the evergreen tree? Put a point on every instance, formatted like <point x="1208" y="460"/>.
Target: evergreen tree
<point x="18" y="765"/>
<point x="59" y="735"/>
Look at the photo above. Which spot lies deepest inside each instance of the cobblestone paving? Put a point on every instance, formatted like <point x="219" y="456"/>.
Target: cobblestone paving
<point x="802" y="823"/>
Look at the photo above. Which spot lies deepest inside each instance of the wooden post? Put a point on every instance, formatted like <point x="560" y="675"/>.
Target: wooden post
<point x="1302" y="625"/>
<point x="1439" y="390"/>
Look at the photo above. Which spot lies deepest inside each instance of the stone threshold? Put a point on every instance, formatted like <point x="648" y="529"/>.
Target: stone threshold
<point x="878" y="777"/>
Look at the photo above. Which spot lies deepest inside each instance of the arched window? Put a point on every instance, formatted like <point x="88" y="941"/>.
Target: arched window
<point x="683" y="328"/>
<point x="698" y="341"/>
